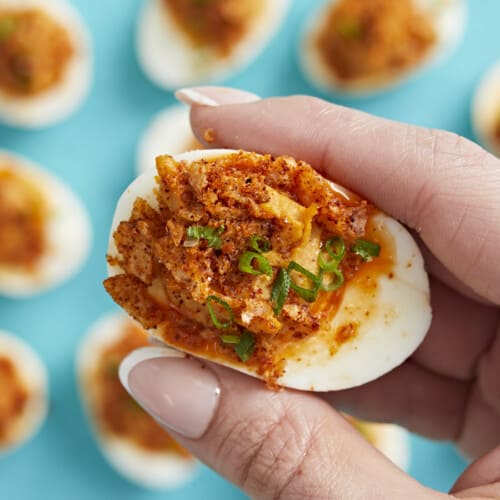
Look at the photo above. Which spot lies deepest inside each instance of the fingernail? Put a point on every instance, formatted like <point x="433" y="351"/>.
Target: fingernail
<point x="180" y="392"/>
<point x="214" y="96"/>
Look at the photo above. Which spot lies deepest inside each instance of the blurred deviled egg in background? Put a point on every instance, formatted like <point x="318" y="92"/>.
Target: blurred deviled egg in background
<point x="486" y="110"/>
<point x="184" y="42"/>
<point x="130" y="439"/>
<point x="44" y="229"/>
<point x="392" y="440"/>
<point x="23" y="392"/>
<point x="45" y="62"/>
<point x="168" y="133"/>
<point x="360" y="47"/>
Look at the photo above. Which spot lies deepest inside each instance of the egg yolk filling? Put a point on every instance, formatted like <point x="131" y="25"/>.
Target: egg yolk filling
<point x="34" y="52"/>
<point x="22" y="222"/>
<point x="117" y="413"/>
<point x="238" y="258"/>
<point x="13" y="399"/>
<point x="217" y="24"/>
<point x="363" y="39"/>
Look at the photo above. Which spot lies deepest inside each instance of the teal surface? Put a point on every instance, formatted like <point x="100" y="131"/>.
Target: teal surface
<point x="94" y="152"/>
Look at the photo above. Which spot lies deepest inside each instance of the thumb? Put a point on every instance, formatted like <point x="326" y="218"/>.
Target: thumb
<point x="271" y="444"/>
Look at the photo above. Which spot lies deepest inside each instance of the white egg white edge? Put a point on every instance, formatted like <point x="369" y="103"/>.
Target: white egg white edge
<point x="486" y="108"/>
<point x="169" y="59"/>
<point x="56" y="104"/>
<point x="68" y="233"/>
<point x="168" y="133"/>
<point x="146" y="469"/>
<point x="33" y="374"/>
<point x="395" y="328"/>
<point x="450" y="22"/>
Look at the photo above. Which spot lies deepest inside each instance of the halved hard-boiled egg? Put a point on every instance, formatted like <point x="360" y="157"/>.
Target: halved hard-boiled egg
<point x="169" y="132"/>
<point x="262" y="265"/>
<point x="45" y="62"/>
<point x="184" y="42"/>
<point x="23" y="392"/>
<point x="359" y="47"/>
<point x="486" y="110"/>
<point x="44" y="229"/>
<point x="392" y="440"/>
<point x="130" y="439"/>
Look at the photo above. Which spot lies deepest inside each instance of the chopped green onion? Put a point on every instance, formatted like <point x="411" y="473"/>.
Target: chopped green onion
<point x="218" y="324"/>
<point x="259" y="244"/>
<point x="245" y="264"/>
<point x="366" y="249"/>
<point x="308" y="294"/>
<point x="211" y="234"/>
<point x="335" y="247"/>
<point x="7" y="27"/>
<point x="279" y="293"/>
<point x="244" y="349"/>
<point x="336" y="282"/>
<point x="230" y="339"/>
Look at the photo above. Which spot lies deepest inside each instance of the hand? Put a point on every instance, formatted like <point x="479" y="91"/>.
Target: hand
<point x="295" y="445"/>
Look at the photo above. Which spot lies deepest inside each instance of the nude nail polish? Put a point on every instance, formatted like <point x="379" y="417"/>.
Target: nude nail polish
<point x="180" y="392"/>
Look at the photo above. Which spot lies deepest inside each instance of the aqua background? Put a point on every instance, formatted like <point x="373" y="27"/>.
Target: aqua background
<point x="94" y="152"/>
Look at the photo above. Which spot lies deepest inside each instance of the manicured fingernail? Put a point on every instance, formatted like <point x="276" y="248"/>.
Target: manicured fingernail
<point x="214" y="96"/>
<point x="180" y="392"/>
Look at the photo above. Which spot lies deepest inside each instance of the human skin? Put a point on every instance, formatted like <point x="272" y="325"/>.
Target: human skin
<point x="289" y="444"/>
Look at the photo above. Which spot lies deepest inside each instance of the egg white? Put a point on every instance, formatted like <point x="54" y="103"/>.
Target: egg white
<point x="399" y="312"/>
<point x="486" y="108"/>
<point x="147" y="469"/>
<point x="67" y="230"/>
<point x="168" y="133"/>
<point x="33" y="375"/>
<point x="449" y="18"/>
<point x="170" y="60"/>
<point x="57" y="103"/>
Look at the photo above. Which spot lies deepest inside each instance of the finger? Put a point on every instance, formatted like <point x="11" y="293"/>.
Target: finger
<point x="424" y="402"/>
<point x="444" y="186"/>
<point x="270" y="444"/>
<point x="460" y="333"/>
<point x="484" y="471"/>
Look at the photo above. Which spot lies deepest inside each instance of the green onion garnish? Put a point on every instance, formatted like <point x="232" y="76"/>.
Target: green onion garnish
<point x="245" y="264"/>
<point x="7" y="27"/>
<point x="279" y="293"/>
<point x="244" y="349"/>
<point x="336" y="282"/>
<point x="308" y="294"/>
<point x="211" y="234"/>
<point x="259" y="244"/>
<point x="366" y="249"/>
<point x="335" y="247"/>
<point x="230" y="339"/>
<point x="219" y="324"/>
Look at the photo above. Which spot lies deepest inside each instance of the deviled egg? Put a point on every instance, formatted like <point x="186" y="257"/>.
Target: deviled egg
<point x="169" y="132"/>
<point x="45" y="62"/>
<point x="360" y="47"/>
<point x="184" y="42"/>
<point x="486" y="110"/>
<point x="392" y="440"/>
<point x="23" y="392"/>
<point x="260" y="264"/>
<point x="44" y="229"/>
<point x="130" y="439"/>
